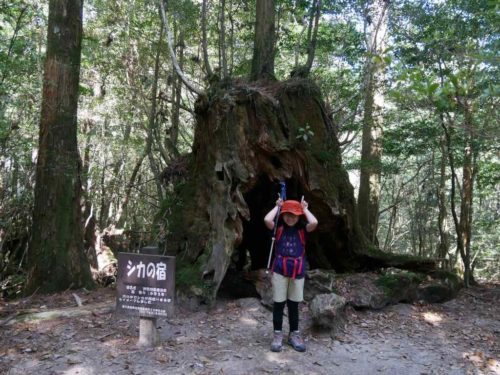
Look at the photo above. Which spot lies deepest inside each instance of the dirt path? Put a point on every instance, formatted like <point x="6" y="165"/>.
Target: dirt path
<point x="457" y="337"/>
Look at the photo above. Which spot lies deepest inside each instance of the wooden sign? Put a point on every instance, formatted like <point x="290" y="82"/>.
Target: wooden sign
<point x="146" y="285"/>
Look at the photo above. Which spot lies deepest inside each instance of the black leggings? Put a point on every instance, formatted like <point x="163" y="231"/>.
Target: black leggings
<point x="293" y="315"/>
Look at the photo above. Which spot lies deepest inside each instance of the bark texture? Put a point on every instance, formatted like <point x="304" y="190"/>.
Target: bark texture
<point x="371" y="149"/>
<point x="56" y="257"/>
<point x="263" y="51"/>
<point x="466" y="198"/>
<point x="247" y="139"/>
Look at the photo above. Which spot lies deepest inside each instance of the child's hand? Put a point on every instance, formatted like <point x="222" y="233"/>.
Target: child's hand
<point x="279" y="202"/>
<point x="304" y="204"/>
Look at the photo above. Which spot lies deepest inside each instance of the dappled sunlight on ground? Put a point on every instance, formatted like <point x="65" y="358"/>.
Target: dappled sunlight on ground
<point x="276" y="358"/>
<point x="79" y="370"/>
<point x="248" y="321"/>
<point x="432" y="318"/>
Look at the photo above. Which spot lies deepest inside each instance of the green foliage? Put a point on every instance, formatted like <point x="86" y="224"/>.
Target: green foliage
<point x="411" y="137"/>
<point x="189" y="278"/>
<point x="441" y="62"/>
<point x="393" y="280"/>
<point x="449" y="277"/>
<point x="173" y="206"/>
<point x="486" y="219"/>
<point x="21" y="48"/>
<point x="489" y="173"/>
<point x="305" y="133"/>
<point x="187" y="275"/>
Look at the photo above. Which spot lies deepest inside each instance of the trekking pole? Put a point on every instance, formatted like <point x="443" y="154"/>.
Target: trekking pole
<point x="282" y="197"/>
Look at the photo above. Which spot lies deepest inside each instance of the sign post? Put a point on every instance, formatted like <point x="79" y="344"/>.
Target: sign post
<point x="146" y="288"/>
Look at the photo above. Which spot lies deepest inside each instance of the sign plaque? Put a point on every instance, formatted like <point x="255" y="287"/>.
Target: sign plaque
<point x="145" y="285"/>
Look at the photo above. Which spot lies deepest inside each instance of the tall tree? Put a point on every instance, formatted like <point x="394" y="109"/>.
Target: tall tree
<point x="312" y="33"/>
<point x="463" y="224"/>
<point x="444" y="233"/>
<point x="204" y="40"/>
<point x="371" y="150"/>
<point x="56" y="257"/>
<point x="178" y="70"/>
<point x="222" y="39"/>
<point x="263" y="51"/>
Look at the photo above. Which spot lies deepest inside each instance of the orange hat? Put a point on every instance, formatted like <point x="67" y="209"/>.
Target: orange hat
<point x="292" y="207"/>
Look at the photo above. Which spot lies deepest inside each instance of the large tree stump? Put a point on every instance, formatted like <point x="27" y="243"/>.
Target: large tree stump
<point x="247" y="139"/>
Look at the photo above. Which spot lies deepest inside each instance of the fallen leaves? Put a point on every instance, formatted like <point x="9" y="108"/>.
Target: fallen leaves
<point x="482" y="361"/>
<point x="216" y="341"/>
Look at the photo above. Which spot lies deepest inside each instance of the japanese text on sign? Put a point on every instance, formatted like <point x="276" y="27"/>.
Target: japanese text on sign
<point x="145" y="285"/>
<point x="152" y="270"/>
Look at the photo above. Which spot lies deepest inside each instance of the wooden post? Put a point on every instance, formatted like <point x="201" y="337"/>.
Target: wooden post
<point x="148" y="331"/>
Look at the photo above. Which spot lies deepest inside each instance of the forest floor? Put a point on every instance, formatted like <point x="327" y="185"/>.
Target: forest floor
<point x="461" y="336"/>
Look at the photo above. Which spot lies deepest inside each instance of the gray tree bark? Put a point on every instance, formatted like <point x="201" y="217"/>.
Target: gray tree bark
<point x="56" y="259"/>
<point x="313" y="34"/>
<point x="371" y="149"/>
<point x="444" y="233"/>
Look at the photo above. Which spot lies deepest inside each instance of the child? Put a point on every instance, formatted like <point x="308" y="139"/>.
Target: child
<point x="289" y="268"/>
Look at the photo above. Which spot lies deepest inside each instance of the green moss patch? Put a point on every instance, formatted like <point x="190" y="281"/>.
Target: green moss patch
<point x="397" y="283"/>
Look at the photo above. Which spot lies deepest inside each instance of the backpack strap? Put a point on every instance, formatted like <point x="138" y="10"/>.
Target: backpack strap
<point x="302" y="237"/>
<point x="279" y="232"/>
<point x="294" y="273"/>
<point x="301" y="259"/>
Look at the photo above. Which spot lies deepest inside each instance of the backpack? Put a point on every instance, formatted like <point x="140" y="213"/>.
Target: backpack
<point x="290" y="252"/>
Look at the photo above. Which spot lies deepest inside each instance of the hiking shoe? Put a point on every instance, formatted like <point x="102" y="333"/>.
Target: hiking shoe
<point x="277" y="343"/>
<point x="295" y="340"/>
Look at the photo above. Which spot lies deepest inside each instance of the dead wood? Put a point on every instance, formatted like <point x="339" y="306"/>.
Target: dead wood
<point x="248" y="138"/>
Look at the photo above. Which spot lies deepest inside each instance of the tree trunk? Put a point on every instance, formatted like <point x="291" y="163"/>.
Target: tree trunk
<point x="173" y="132"/>
<point x="313" y="35"/>
<point x="192" y="87"/>
<point x="89" y="217"/>
<point x="231" y="39"/>
<point x="468" y="174"/>
<point x="204" y="39"/>
<point x="458" y="224"/>
<point x="56" y="257"/>
<point x="392" y="218"/>
<point x="247" y="139"/>
<point x="263" y="50"/>
<point x="222" y="39"/>
<point x="371" y="149"/>
<point x="444" y="235"/>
